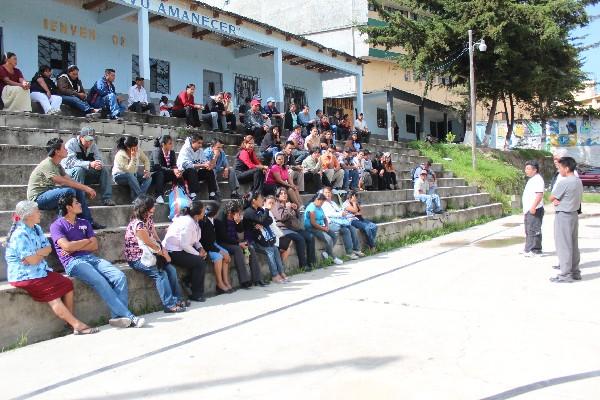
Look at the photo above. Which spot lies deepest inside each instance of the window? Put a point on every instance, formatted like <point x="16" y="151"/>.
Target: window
<point x="381" y="118"/>
<point x="160" y="74"/>
<point x="294" y="95"/>
<point x="406" y="75"/>
<point x="244" y="86"/>
<point x="58" y="54"/>
<point x="449" y="126"/>
<point x="411" y="122"/>
<point x="433" y="128"/>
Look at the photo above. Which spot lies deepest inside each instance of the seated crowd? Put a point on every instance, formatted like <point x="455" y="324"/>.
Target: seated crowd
<point x="265" y="220"/>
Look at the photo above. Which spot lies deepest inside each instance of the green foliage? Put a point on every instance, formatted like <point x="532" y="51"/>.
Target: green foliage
<point x="531" y="154"/>
<point x="493" y="175"/>
<point x="591" y="197"/>
<point x="450" y="137"/>
<point x="22" y="341"/>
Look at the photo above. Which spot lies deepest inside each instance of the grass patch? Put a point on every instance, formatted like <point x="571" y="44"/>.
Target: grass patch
<point x="22" y="341"/>
<point x="493" y="174"/>
<point x="591" y="197"/>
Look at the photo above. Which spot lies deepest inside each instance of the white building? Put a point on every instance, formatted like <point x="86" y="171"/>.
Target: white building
<point x="171" y="43"/>
<point x="386" y="87"/>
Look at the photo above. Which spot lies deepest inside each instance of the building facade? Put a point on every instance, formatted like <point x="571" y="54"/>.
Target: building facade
<point x="171" y="43"/>
<point x="391" y="94"/>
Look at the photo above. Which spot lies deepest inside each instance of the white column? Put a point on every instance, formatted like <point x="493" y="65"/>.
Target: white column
<point x="144" y="46"/>
<point x="278" y="76"/>
<point x="390" y="108"/>
<point x="359" y="93"/>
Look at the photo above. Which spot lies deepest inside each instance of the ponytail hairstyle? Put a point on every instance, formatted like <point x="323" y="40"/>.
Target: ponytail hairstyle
<point x="161" y="141"/>
<point x="196" y="208"/>
<point x="126" y="142"/>
<point x="22" y="210"/>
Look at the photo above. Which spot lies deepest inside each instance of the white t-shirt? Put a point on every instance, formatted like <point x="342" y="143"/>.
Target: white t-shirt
<point x="534" y="185"/>
<point x="362" y="125"/>
<point x="421" y="186"/>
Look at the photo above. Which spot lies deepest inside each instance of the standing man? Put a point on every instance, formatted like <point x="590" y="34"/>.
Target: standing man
<point x="566" y="197"/>
<point x="84" y="163"/>
<point x="138" y="98"/>
<point x="533" y="209"/>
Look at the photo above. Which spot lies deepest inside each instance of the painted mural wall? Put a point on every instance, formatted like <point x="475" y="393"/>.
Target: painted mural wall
<point x="580" y="136"/>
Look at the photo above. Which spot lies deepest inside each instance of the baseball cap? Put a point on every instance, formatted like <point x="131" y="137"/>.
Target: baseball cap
<point x="270" y="100"/>
<point x="88" y="133"/>
<point x="257" y="97"/>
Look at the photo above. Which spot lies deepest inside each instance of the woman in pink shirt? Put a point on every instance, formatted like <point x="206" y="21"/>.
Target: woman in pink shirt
<point x="278" y="176"/>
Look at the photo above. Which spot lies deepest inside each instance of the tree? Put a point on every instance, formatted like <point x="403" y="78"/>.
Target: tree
<point x="517" y="33"/>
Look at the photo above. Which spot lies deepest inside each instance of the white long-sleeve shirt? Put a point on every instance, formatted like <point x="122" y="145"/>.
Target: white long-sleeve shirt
<point x="137" y="95"/>
<point x="183" y="235"/>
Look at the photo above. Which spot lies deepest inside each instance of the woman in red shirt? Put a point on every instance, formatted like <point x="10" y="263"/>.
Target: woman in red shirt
<point x="13" y="87"/>
<point x="184" y="107"/>
<point x="248" y="168"/>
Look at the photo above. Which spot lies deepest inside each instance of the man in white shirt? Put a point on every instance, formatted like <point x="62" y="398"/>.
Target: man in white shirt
<point x="360" y="125"/>
<point x="432" y="201"/>
<point x="533" y="209"/>
<point x="138" y="98"/>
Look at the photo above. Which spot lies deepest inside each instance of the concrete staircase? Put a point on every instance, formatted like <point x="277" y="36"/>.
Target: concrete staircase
<point x="22" y="140"/>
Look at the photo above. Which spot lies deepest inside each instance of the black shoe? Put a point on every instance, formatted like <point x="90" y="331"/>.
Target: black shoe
<point x="221" y="291"/>
<point x="260" y="283"/>
<point x="440" y="211"/>
<point x="556" y="266"/>
<point x="235" y="195"/>
<point x="576" y="276"/>
<point x="97" y="226"/>
<point x="200" y="299"/>
<point x="246" y="285"/>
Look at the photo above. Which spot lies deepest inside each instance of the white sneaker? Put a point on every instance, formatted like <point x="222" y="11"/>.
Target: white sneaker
<point x="325" y="255"/>
<point x="192" y="196"/>
<point x="137" y="322"/>
<point x="160" y="200"/>
<point x="359" y="253"/>
<point x="120" y="322"/>
<point x="353" y="256"/>
<point x="337" y="261"/>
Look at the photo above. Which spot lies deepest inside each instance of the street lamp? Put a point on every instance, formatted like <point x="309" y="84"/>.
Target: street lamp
<point x="482" y="47"/>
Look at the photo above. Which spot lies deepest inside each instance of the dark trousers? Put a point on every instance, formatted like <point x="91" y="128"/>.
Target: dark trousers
<point x="533" y="231"/>
<point x="160" y="178"/>
<point x="305" y="246"/>
<point x="312" y="182"/>
<point x="255" y="175"/>
<point x="257" y="133"/>
<point x="193" y="177"/>
<point x="240" y="263"/>
<point x="197" y="267"/>
<point x="190" y="114"/>
<point x="389" y="178"/>
<point x="138" y="107"/>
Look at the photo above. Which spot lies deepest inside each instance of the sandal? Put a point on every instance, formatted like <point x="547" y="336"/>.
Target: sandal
<point x="176" y="309"/>
<point x="184" y="303"/>
<point x="86" y="331"/>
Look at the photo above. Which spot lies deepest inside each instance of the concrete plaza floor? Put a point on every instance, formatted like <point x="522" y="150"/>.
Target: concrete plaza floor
<point x="463" y="316"/>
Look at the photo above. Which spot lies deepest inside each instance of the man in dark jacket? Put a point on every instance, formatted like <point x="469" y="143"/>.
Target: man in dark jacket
<point x="104" y="95"/>
<point x="228" y="228"/>
<point x="70" y="88"/>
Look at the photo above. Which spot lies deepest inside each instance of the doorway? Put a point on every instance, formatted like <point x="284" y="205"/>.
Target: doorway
<point x="213" y="84"/>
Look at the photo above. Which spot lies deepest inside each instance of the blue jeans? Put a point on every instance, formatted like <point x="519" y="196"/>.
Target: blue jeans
<point x="351" y="178"/>
<point x="49" y="200"/>
<point x="432" y="202"/>
<point x="369" y="229"/>
<point x="90" y="175"/>
<point x="273" y="258"/>
<point x="328" y="238"/>
<point x="350" y="238"/>
<point x="76" y="102"/>
<point x="136" y="182"/>
<point x="165" y="280"/>
<point x="108" y="281"/>
<point x="110" y="103"/>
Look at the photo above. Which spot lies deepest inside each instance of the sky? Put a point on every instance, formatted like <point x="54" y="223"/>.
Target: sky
<point x="592" y="56"/>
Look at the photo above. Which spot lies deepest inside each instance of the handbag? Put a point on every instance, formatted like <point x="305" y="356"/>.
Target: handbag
<point x="265" y="237"/>
<point x="178" y="199"/>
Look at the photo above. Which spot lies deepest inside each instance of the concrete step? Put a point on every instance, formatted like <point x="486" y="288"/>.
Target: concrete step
<point x="24" y="316"/>
<point x="39" y="137"/>
<point x="15" y="193"/>
<point x="119" y="215"/>
<point x="111" y="245"/>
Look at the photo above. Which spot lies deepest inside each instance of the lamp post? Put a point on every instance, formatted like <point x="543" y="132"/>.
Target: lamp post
<point x="482" y="48"/>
